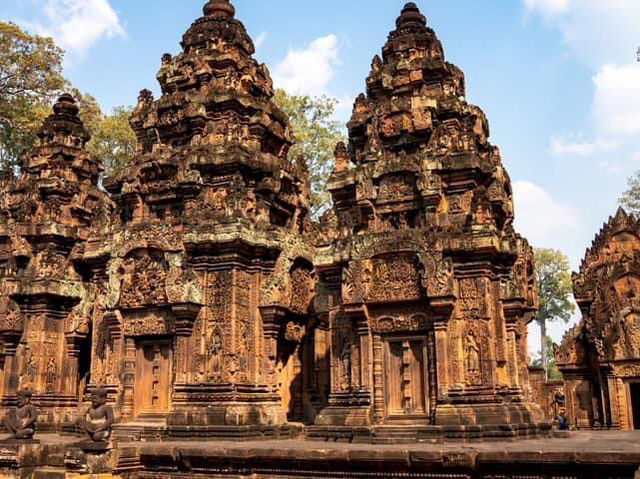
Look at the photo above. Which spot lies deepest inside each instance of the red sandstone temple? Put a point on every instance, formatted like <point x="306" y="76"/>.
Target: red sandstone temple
<point x="600" y="357"/>
<point x="197" y="289"/>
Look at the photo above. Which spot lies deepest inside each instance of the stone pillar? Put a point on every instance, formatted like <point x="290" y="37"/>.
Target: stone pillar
<point x="129" y="376"/>
<point x="442" y="358"/>
<point x="365" y="351"/>
<point x="272" y="318"/>
<point x="617" y="395"/>
<point x="378" y="379"/>
<point x="512" y="356"/>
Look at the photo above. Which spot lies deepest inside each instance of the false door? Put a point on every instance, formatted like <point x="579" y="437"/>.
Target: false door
<point x="153" y="378"/>
<point x="406" y="379"/>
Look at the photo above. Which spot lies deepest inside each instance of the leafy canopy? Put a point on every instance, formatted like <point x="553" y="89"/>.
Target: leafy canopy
<point x="553" y="373"/>
<point x="316" y="136"/>
<point x="630" y="199"/>
<point x="554" y="283"/>
<point x="113" y="141"/>
<point x="30" y="79"/>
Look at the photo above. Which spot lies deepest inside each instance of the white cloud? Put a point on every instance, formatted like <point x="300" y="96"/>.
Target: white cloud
<point x="611" y="166"/>
<point x="539" y="217"/>
<point x="604" y="35"/>
<point x="596" y="31"/>
<point x="260" y="39"/>
<point x="575" y="147"/>
<point x="76" y="25"/>
<point x="616" y="103"/>
<point x="548" y="7"/>
<point x="308" y="71"/>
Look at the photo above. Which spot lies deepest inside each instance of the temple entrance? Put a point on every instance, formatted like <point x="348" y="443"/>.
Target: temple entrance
<point x="634" y="396"/>
<point x="84" y="367"/>
<point x="406" y="385"/>
<point x="152" y="390"/>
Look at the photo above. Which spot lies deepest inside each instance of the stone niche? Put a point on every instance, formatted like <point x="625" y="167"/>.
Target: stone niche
<point x="600" y="357"/>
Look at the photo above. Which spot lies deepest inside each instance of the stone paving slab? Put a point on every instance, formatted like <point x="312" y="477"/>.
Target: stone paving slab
<point x="580" y="447"/>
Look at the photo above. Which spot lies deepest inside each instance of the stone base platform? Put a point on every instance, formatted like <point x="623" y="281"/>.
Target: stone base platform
<point x="582" y="455"/>
<point x="158" y="430"/>
<point x="411" y="434"/>
<point x="144" y="430"/>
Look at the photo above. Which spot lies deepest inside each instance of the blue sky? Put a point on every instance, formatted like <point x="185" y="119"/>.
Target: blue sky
<point x="558" y="79"/>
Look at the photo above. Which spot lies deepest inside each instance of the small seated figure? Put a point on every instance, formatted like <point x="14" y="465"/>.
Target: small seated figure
<point x="561" y="419"/>
<point x="98" y="419"/>
<point x="21" y="423"/>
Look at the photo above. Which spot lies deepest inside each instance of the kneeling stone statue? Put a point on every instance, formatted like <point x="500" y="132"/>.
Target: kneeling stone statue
<point x="98" y="420"/>
<point x="21" y="423"/>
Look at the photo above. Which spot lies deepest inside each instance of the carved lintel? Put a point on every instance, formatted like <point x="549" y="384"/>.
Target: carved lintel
<point x="114" y="323"/>
<point x="186" y="314"/>
<point x="442" y="307"/>
<point x="10" y="341"/>
<point x="356" y="310"/>
<point x="272" y="318"/>
<point x="74" y="340"/>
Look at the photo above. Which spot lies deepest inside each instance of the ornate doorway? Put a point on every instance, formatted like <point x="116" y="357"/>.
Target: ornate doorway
<point x="406" y="382"/>
<point x="152" y="392"/>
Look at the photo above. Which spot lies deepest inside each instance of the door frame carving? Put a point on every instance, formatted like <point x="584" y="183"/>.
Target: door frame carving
<point x="139" y="390"/>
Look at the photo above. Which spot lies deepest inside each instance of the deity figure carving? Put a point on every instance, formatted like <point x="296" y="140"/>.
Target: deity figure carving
<point x="21" y="423"/>
<point x="51" y="372"/>
<point x="215" y="352"/>
<point x="472" y="354"/>
<point x="294" y="332"/>
<point x="341" y="157"/>
<point x="346" y="364"/>
<point x="97" y="422"/>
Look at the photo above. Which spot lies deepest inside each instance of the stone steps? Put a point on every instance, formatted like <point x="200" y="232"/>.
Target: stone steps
<point x="140" y="430"/>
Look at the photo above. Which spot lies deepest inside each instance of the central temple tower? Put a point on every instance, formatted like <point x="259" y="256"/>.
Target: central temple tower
<point x="207" y="232"/>
<point x="433" y="288"/>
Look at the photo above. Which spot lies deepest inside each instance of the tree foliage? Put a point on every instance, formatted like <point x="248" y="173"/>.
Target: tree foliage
<point x="553" y="373"/>
<point x="555" y="292"/>
<point x="316" y="137"/>
<point x="630" y="199"/>
<point x="113" y="141"/>
<point x="30" y="79"/>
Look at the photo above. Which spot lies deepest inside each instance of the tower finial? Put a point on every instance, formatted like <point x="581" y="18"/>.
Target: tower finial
<point x="410" y="15"/>
<point x="66" y="104"/>
<point x="219" y="8"/>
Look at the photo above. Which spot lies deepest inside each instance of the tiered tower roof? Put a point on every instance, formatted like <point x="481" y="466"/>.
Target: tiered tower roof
<point x="215" y="120"/>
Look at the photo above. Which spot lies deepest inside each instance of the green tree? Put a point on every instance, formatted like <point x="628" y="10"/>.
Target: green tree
<point x="30" y="79"/>
<point x="630" y="199"/>
<point x="90" y="111"/>
<point x="553" y="373"/>
<point x="554" y="284"/>
<point x="113" y="141"/>
<point x="316" y="137"/>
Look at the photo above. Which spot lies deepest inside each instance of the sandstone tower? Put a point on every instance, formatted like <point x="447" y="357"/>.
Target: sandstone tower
<point x="434" y="289"/>
<point x="600" y="357"/>
<point x="202" y="296"/>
